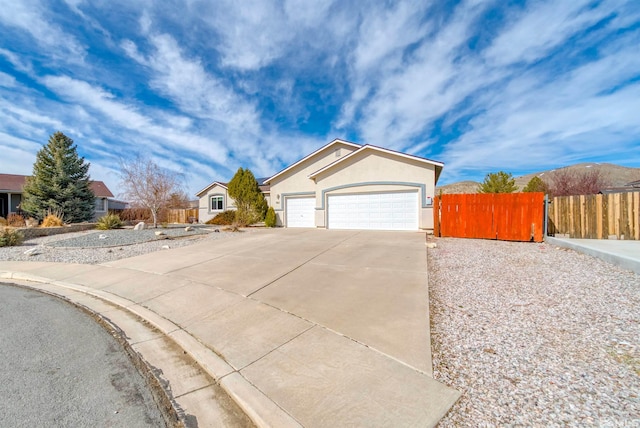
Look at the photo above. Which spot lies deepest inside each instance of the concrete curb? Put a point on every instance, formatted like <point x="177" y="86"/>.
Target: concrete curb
<point x="258" y="407"/>
<point x="616" y="259"/>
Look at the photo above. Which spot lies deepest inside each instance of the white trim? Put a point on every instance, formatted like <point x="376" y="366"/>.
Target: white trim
<point x="326" y="146"/>
<point x="379" y="149"/>
<point x="209" y="187"/>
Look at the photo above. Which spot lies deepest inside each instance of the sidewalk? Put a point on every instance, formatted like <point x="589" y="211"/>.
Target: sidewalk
<point x="625" y="254"/>
<point x="323" y="329"/>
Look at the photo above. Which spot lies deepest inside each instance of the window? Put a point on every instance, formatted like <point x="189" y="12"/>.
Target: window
<point x="217" y="203"/>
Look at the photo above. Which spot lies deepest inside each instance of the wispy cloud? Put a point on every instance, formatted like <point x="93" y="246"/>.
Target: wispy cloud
<point x="205" y="87"/>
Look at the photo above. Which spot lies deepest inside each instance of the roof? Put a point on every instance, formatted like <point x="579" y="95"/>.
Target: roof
<point x="369" y="147"/>
<point x="14" y="183"/>
<point x="219" y="183"/>
<point x="326" y="146"/>
<point x="634" y="183"/>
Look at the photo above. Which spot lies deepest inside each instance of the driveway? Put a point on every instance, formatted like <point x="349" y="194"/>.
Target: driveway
<point x="331" y="326"/>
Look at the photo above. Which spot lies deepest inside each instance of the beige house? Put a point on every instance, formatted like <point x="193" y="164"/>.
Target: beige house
<point x="214" y="199"/>
<point x="344" y="185"/>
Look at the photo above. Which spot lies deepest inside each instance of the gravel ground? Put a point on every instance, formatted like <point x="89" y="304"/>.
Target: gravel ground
<point x="533" y="335"/>
<point x="87" y="247"/>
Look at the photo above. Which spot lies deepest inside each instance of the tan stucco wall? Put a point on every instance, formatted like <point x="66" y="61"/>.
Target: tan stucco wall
<point x="296" y="180"/>
<point x="379" y="172"/>
<point x="204" y="211"/>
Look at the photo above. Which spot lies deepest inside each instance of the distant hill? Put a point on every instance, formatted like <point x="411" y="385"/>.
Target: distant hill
<point x="615" y="174"/>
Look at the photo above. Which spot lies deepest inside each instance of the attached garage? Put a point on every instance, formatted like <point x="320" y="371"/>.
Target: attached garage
<point x="301" y="212"/>
<point x="374" y="211"/>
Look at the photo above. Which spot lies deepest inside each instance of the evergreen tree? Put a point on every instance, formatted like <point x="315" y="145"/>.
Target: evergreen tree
<point x="60" y="183"/>
<point x="536" y="185"/>
<point x="498" y="182"/>
<point x="250" y="203"/>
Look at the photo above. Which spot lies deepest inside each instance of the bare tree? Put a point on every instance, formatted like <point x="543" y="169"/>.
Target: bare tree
<point x="567" y="182"/>
<point x="149" y="186"/>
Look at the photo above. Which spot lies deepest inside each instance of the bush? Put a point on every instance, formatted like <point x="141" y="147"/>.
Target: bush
<point x="225" y="218"/>
<point x="109" y="221"/>
<point x="52" y="220"/>
<point x="15" y="220"/>
<point x="270" y="218"/>
<point x="3" y="221"/>
<point x="10" y="237"/>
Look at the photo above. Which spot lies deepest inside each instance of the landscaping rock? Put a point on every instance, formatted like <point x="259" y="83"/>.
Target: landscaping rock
<point x="188" y="229"/>
<point x="32" y="252"/>
<point x="140" y="226"/>
<point x="160" y="233"/>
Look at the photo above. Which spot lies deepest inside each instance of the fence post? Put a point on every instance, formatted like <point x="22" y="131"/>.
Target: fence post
<point x="546" y="216"/>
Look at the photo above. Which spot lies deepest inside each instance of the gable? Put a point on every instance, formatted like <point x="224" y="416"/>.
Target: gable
<point x="394" y="159"/>
<point x="316" y="160"/>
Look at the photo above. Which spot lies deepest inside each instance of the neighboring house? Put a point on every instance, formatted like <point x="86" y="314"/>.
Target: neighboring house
<point x="344" y="185"/>
<point x="633" y="186"/>
<point x="215" y="199"/>
<point x="11" y="195"/>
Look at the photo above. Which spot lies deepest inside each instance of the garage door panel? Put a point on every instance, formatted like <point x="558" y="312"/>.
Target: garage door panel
<point x="375" y="211"/>
<point x="301" y="212"/>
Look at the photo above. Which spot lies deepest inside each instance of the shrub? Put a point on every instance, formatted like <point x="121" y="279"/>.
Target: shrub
<point x="15" y="220"/>
<point x="10" y="237"/>
<point x="3" y="221"/>
<point x="109" y="221"/>
<point x="225" y="218"/>
<point x="52" y="220"/>
<point x="270" y="218"/>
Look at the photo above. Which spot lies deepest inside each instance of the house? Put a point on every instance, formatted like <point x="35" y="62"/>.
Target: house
<point x="344" y="185"/>
<point x="633" y="186"/>
<point x="215" y="199"/>
<point x="11" y="195"/>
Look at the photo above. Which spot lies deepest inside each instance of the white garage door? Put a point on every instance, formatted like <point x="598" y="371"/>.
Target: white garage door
<point x="301" y="212"/>
<point x="375" y="211"/>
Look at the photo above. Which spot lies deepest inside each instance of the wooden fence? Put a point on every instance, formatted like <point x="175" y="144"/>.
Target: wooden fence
<point x="596" y="216"/>
<point x="503" y="216"/>
<point x="182" y="216"/>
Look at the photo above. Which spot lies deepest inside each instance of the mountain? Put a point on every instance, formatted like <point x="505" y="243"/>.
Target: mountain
<point x="616" y="176"/>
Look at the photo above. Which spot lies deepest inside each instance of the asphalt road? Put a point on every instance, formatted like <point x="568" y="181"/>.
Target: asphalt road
<point x="59" y="367"/>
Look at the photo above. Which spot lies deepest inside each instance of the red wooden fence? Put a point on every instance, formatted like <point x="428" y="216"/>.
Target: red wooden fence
<point x="503" y="216"/>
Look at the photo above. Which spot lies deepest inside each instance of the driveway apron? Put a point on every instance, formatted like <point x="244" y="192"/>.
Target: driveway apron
<point x="332" y="326"/>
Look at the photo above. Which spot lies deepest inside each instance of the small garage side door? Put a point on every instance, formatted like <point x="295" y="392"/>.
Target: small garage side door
<point x="301" y="212"/>
<point x="374" y="211"/>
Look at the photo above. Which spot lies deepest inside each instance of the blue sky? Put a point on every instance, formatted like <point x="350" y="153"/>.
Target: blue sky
<point x="204" y="87"/>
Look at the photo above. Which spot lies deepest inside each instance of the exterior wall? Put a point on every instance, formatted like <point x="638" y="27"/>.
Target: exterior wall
<point x="101" y="207"/>
<point x="296" y="182"/>
<point x="205" y="213"/>
<point x="378" y="172"/>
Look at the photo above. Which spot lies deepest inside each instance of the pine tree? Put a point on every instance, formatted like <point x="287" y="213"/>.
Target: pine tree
<point x="498" y="182"/>
<point x="536" y="185"/>
<point x="60" y="183"/>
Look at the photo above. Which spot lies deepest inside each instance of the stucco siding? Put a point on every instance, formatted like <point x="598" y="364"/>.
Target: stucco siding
<point x="205" y="213"/>
<point x="377" y="173"/>
<point x="296" y="182"/>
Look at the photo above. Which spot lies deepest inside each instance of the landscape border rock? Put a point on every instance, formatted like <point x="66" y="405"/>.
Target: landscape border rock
<point x="36" y="232"/>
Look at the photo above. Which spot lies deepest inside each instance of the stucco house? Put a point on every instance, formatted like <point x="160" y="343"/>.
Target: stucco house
<point x="215" y="199"/>
<point x="11" y="195"/>
<point x="344" y="185"/>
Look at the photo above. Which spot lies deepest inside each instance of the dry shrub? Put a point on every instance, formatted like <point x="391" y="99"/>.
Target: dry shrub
<point x="15" y="220"/>
<point x="10" y="237"/>
<point x="52" y="220"/>
<point x="141" y="214"/>
<point x="3" y="221"/>
<point x="225" y="218"/>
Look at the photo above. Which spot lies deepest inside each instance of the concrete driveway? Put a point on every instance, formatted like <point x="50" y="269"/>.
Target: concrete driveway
<point x="330" y="326"/>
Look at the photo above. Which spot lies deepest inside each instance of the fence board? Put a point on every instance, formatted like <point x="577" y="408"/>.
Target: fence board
<point x="182" y="216"/>
<point x="596" y="216"/>
<point x="509" y="217"/>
